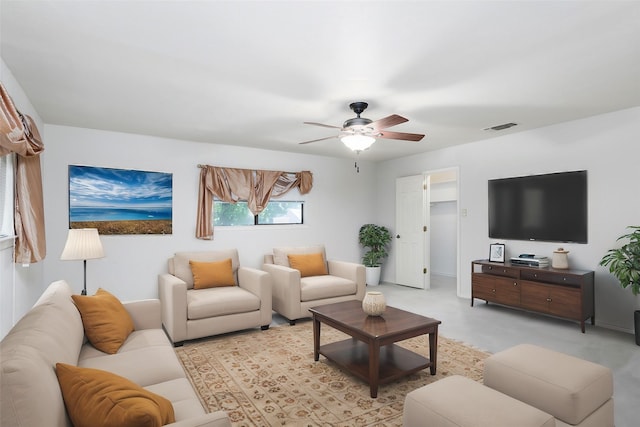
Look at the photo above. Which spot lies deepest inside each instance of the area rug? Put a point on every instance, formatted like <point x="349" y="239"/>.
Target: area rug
<point x="269" y="378"/>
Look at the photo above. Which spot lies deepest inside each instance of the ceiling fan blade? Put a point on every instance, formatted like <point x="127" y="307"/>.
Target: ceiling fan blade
<point x="387" y="122"/>
<point x="320" y="139"/>
<point x="323" y="125"/>
<point x="415" y="137"/>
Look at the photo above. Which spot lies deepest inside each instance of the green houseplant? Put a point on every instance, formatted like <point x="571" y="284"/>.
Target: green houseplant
<point x="624" y="264"/>
<point x="375" y="238"/>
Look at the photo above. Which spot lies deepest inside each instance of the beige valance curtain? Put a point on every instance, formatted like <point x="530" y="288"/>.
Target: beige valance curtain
<point x="255" y="186"/>
<point x="19" y="134"/>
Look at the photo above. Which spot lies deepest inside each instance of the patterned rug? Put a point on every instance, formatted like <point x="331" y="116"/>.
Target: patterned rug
<point x="269" y="378"/>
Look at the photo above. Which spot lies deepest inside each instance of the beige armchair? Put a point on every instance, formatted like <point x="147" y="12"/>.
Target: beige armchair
<point x="190" y="311"/>
<point x="294" y="293"/>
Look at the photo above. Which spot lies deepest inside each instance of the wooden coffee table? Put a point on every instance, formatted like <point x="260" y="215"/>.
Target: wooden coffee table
<point x="371" y="354"/>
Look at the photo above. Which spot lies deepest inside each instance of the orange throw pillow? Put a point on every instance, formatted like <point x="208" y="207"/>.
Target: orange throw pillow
<point x="107" y="324"/>
<point x="212" y="274"/>
<point x="96" y="398"/>
<point x="308" y="264"/>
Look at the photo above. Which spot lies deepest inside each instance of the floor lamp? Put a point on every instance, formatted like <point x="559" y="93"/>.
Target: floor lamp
<point x="82" y="244"/>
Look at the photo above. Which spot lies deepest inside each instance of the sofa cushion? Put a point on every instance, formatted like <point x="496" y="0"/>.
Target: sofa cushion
<point x="212" y="274"/>
<point x="106" y="322"/>
<point x="565" y="386"/>
<point x="280" y="254"/>
<point x="308" y="264"/>
<point x="97" y="398"/>
<point x="205" y="303"/>
<point x="320" y="287"/>
<point x="150" y="345"/>
<point x="179" y="264"/>
<point x="186" y="403"/>
<point x="461" y="402"/>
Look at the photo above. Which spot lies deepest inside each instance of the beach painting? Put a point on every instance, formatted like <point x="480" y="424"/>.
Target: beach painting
<point x="120" y="201"/>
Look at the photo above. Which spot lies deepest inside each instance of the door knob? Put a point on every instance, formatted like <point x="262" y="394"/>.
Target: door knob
<point x="397" y="236"/>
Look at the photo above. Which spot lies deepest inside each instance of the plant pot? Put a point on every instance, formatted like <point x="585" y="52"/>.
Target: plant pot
<point x="636" y="319"/>
<point x="372" y="275"/>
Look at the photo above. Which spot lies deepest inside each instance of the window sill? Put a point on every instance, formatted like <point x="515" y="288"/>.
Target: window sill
<point x="7" y="242"/>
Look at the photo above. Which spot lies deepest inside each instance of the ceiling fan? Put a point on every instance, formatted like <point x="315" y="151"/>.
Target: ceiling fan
<point x="359" y="133"/>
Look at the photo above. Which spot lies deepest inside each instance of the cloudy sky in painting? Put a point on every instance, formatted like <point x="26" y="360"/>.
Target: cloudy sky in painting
<point x="105" y="187"/>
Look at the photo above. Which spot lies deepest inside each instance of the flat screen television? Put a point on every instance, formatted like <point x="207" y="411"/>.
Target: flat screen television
<point x="550" y="207"/>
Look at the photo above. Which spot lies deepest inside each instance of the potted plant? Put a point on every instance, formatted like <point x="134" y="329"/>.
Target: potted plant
<point x="624" y="264"/>
<point x="375" y="238"/>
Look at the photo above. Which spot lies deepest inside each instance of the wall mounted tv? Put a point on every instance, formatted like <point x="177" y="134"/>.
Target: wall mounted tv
<point x="550" y="207"/>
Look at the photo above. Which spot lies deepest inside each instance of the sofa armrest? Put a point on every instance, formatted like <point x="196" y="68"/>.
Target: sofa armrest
<point x="286" y="289"/>
<point x="212" y="419"/>
<point x="144" y="313"/>
<point x="173" y="306"/>
<point x="256" y="281"/>
<point x="352" y="271"/>
<point x="259" y="283"/>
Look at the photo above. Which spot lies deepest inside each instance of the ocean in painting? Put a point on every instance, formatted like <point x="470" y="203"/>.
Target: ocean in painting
<point x="81" y="214"/>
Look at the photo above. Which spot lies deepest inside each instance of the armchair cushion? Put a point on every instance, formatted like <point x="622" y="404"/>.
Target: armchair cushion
<point x="205" y="303"/>
<point x="321" y="287"/>
<point x="106" y="322"/>
<point x="308" y="264"/>
<point x="212" y="274"/>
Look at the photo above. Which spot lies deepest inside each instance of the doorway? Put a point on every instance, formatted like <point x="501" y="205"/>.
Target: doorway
<point x="427" y="228"/>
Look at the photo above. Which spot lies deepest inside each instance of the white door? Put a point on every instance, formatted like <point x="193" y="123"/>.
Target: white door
<point x="411" y="232"/>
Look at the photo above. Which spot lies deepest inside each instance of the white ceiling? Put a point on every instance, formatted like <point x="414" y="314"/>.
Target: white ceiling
<point x="250" y="73"/>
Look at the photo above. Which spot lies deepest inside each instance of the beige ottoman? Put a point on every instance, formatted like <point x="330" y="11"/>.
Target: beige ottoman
<point x="575" y="391"/>
<point x="457" y="401"/>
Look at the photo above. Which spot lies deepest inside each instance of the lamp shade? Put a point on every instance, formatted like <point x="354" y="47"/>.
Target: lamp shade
<point x="82" y="243"/>
<point x="358" y="142"/>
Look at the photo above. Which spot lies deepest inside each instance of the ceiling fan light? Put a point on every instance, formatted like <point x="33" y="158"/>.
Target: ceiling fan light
<point x="357" y="142"/>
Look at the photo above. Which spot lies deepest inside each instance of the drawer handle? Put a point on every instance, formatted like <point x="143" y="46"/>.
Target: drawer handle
<point x="493" y="290"/>
<point x="564" y="278"/>
<point x="504" y="271"/>
<point x="515" y="284"/>
<point x="549" y="299"/>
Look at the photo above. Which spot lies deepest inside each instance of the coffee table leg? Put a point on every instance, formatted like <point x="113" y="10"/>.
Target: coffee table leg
<point x="374" y="367"/>
<point x="316" y="339"/>
<point x="433" y="350"/>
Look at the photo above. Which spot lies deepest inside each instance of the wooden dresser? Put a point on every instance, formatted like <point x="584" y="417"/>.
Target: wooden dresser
<point x="563" y="293"/>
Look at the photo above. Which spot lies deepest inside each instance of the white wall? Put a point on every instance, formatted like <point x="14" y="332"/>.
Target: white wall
<point x="606" y="145"/>
<point x="341" y="200"/>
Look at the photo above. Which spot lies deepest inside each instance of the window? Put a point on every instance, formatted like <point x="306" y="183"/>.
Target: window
<point x="276" y="212"/>
<point x="6" y="195"/>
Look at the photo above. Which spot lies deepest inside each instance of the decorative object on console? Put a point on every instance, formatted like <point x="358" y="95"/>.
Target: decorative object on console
<point x="82" y="244"/>
<point x="496" y="252"/>
<point x="560" y="260"/>
<point x="624" y="264"/>
<point x="376" y="238"/>
<point x="374" y="303"/>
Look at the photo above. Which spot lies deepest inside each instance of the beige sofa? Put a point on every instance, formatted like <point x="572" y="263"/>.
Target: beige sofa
<point x="294" y="295"/>
<point x="189" y="313"/>
<point x="52" y="332"/>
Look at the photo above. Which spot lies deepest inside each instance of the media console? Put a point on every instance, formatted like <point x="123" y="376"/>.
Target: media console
<point x="563" y="293"/>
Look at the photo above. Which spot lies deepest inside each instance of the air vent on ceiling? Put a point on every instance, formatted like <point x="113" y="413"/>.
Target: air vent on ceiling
<point x="502" y="126"/>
